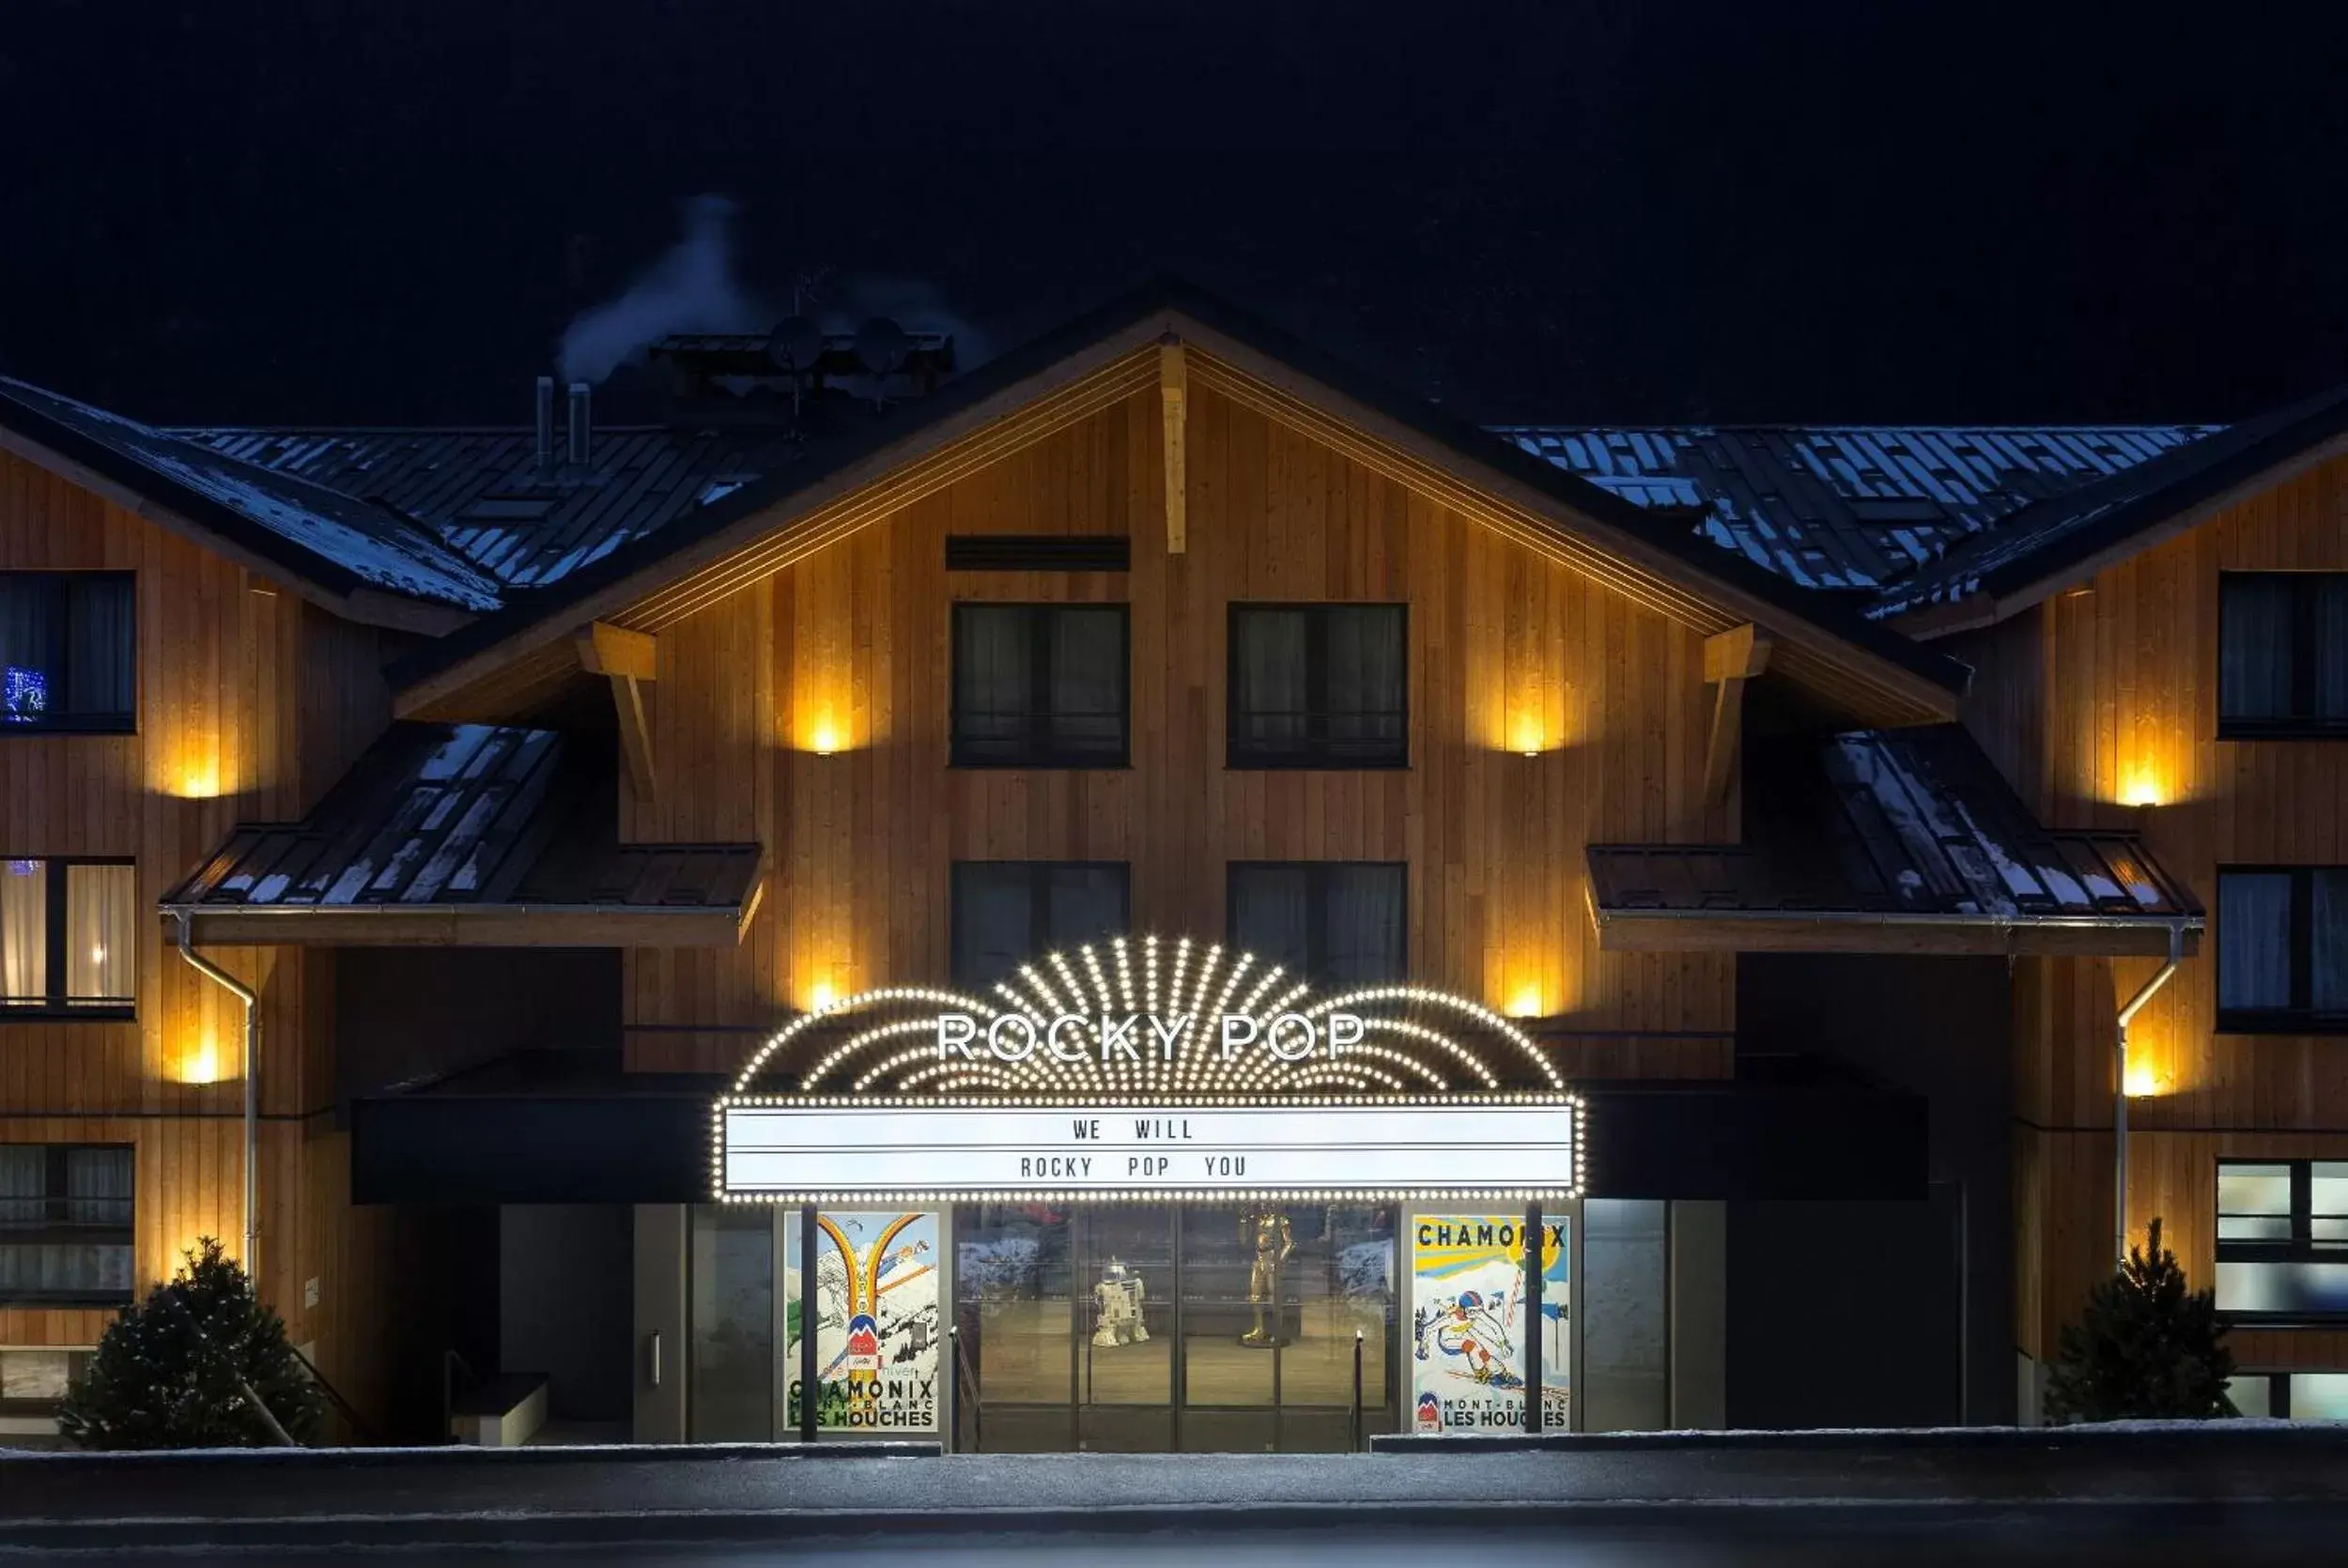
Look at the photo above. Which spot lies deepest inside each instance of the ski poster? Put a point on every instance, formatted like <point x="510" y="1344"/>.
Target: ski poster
<point x="877" y="1324"/>
<point x="1467" y="1324"/>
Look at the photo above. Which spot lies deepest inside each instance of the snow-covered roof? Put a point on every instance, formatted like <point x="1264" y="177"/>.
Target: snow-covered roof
<point x="1846" y="506"/>
<point x="315" y="531"/>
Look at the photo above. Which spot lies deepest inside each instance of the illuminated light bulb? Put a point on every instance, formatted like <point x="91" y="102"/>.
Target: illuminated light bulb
<point x="97" y="954"/>
<point x="820" y="996"/>
<point x="2142" y="1081"/>
<point x="1526" y="1003"/>
<point x="825" y="739"/>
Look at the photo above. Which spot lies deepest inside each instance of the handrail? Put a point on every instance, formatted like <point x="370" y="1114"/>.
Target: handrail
<point x="966" y="1385"/>
<point x="1356" y="1426"/>
<point x="334" y="1397"/>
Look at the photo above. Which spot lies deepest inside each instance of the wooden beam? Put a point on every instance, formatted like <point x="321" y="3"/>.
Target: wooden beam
<point x="1619" y="932"/>
<point x="1173" y="392"/>
<point x="477" y="925"/>
<point x="630" y="660"/>
<point x="1730" y="659"/>
<point x="607" y="650"/>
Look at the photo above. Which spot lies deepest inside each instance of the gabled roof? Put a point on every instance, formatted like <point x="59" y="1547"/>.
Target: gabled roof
<point x="2064" y="539"/>
<point x="1108" y="354"/>
<point x="1844" y="506"/>
<point x="1905" y="841"/>
<point x="483" y="495"/>
<point x="473" y="834"/>
<point x="315" y="535"/>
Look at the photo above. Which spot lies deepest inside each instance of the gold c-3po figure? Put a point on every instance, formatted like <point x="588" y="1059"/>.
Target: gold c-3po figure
<point x="1273" y="1243"/>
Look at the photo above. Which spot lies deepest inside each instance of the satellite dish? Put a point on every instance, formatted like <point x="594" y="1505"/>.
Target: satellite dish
<point x="796" y="344"/>
<point x="882" y="345"/>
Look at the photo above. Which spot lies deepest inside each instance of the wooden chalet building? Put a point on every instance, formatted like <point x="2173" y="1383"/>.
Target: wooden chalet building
<point x="1725" y="854"/>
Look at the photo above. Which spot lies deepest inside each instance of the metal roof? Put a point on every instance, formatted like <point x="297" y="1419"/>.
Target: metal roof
<point x="1846" y="506"/>
<point x="1909" y="823"/>
<point x="482" y="493"/>
<point x="470" y="814"/>
<point x="315" y="530"/>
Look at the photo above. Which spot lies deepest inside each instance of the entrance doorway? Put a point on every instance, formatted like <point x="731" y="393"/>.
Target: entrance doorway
<point x="1154" y="1328"/>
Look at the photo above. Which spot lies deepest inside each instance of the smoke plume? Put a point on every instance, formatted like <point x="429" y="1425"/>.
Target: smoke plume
<point x="690" y="289"/>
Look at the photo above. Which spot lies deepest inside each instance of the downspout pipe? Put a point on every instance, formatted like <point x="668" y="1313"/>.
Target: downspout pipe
<point x="243" y="994"/>
<point x="2120" y="1089"/>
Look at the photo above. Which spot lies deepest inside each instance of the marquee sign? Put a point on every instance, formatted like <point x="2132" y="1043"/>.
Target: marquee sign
<point x="838" y="1150"/>
<point x="1145" y="1067"/>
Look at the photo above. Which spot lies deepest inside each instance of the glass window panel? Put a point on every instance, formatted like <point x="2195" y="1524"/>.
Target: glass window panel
<point x="2325" y="1230"/>
<point x="2251" y="1392"/>
<point x="994" y="681"/>
<point x="1365" y="925"/>
<point x="1271" y="915"/>
<point x="2305" y="1289"/>
<point x="2254" y="679"/>
<point x="2253" y="1227"/>
<point x="2319" y="1396"/>
<point x="2328" y="1186"/>
<point x="1367" y="665"/>
<point x="1013" y="1283"/>
<point x="730" y="1397"/>
<point x="98" y="650"/>
<point x="2254" y="1190"/>
<point x="1084" y="903"/>
<point x="2331" y="648"/>
<point x="101" y="933"/>
<point x="2328" y="951"/>
<point x="1271" y="683"/>
<point x="993" y="918"/>
<point x="25" y="931"/>
<point x="1087" y="690"/>
<point x="2253" y="941"/>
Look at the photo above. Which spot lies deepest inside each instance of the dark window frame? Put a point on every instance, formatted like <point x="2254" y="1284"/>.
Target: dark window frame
<point x="129" y="724"/>
<point x="1039" y="898"/>
<point x="59" y="1006"/>
<point x="56" y="1228"/>
<point x="1317" y="911"/>
<point x="1240" y="754"/>
<point x="1040" y="641"/>
<point x="2301" y="1247"/>
<point x="2300" y="1018"/>
<point x="2306" y="653"/>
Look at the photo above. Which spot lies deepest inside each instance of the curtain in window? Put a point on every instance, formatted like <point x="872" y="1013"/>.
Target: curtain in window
<point x="2328" y="957"/>
<point x="98" y="1186"/>
<point x="27" y="646"/>
<point x="1272" y="916"/>
<point x="1088" y="653"/>
<point x="98" y="650"/>
<point x="1365" y="678"/>
<point x="101" y="933"/>
<point x="2253" y="941"/>
<point x="1366" y="932"/>
<point x="994" y="681"/>
<point x="25" y="931"/>
<point x="992" y="910"/>
<point x="24" y="1180"/>
<point x="2254" y="657"/>
<point x="1270" y="690"/>
<point x="1083" y="903"/>
<point x="2331" y="648"/>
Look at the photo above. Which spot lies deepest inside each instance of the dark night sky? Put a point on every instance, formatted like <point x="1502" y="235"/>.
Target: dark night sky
<point x="1601" y="209"/>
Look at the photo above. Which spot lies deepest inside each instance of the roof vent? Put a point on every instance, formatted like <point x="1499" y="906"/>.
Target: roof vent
<point x="1039" y="552"/>
<point x="577" y="453"/>
<point x="544" y="455"/>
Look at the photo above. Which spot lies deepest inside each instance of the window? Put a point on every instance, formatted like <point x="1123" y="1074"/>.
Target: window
<point x="1007" y="913"/>
<point x="69" y="937"/>
<point x="2282" y="1239"/>
<point x="1337" y="923"/>
<point x="65" y="1225"/>
<point x="2282" y="949"/>
<point x="1040" y="686"/>
<point x="1319" y="686"/>
<point x="67" y="652"/>
<point x="2282" y="654"/>
<point x="2290" y="1395"/>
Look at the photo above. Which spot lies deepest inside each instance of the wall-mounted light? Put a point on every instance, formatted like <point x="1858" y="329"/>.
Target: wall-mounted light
<point x="200" y="1064"/>
<point x="1525" y="1001"/>
<point x="1526" y="736"/>
<point x="2144" y="1083"/>
<point x="821" y="995"/>
<point x="2142" y="789"/>
<point x="824" y="739"/>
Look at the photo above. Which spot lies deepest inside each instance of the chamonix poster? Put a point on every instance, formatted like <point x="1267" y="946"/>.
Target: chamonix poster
<point x="877" y="1326"/>
<point x="1467" y="1324"/>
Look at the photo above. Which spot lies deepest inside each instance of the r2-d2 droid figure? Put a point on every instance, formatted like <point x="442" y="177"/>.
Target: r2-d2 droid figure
<point x="1119" y="1296"/>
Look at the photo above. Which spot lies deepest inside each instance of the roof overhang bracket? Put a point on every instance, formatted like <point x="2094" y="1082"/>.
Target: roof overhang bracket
<point x="1730" y="659"/>
<point x="630" y="660"/>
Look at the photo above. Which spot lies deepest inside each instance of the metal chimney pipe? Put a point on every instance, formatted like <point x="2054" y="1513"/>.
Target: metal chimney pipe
<point x="576" y="453"/>
<point x="545" y="452"/>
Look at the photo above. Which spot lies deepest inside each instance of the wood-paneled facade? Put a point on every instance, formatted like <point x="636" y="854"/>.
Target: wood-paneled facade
<point x="846" y="651"/>
<point x="250" y="700"/>
<point x="2101" y="704"/>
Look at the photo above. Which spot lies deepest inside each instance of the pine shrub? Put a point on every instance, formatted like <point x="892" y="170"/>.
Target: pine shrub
<point x="2147" y="1349"/>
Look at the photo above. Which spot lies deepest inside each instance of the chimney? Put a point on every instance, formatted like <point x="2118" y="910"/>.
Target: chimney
<point x="576" y="453"/>
<point x="545" y="454"/>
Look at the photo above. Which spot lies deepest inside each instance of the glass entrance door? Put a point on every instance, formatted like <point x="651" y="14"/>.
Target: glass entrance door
<point x="1151" y="1328"/>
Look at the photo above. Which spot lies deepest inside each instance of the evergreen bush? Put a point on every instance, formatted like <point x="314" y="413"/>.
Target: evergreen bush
<point x="2147" y="1349"/>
